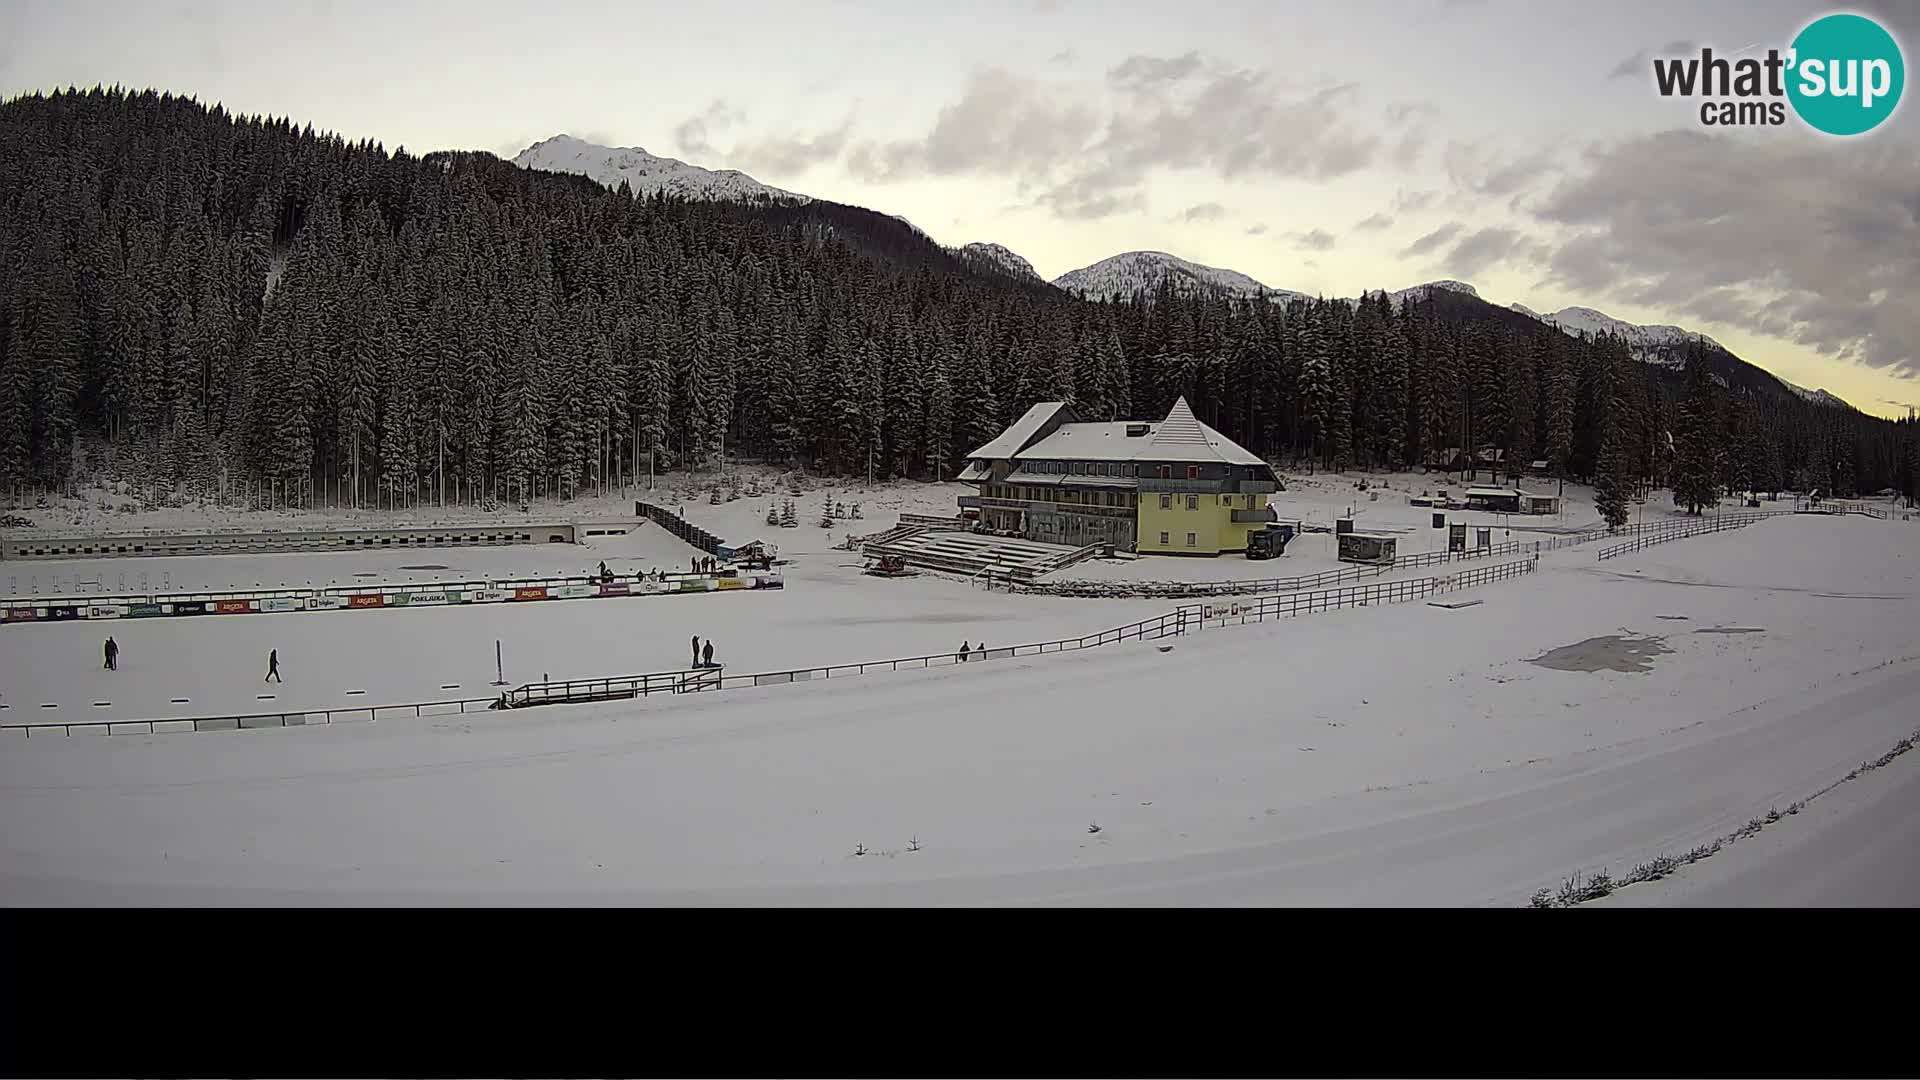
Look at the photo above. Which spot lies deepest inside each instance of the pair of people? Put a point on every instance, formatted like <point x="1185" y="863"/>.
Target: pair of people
<point x="974" y="652"/>
<point x="702" y="655"/>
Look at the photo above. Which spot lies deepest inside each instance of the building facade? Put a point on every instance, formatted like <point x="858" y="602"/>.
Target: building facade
<point x="1175" y="487"/>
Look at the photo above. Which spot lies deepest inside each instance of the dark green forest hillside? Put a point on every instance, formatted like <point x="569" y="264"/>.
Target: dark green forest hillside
<point x="186" y="294"/>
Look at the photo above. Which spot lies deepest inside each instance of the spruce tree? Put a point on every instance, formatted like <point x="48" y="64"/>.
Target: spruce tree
<point x="1697" y="452"/>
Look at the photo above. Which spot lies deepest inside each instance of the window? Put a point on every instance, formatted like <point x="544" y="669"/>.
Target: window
<point x="1192" y="539"/>
<point x="1193" y="472"/>
<point x="1166" y="503"/>
<point x="1163" y="538"/>
<point x="1193" y="502"/>
<point x="1164" y="472"/>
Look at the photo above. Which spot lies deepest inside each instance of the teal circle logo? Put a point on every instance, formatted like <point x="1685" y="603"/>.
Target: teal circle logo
<point x="1846" y="74"/>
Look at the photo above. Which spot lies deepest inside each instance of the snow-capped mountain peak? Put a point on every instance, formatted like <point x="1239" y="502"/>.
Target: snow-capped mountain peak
<point x="1817" y="397"/>
<point x="1421" y="292"/>
<point x="1002" y="258"/>
<point x="1136" y="271"/>
<point x="647" y="173"/>
<point x="1660" y="345"/>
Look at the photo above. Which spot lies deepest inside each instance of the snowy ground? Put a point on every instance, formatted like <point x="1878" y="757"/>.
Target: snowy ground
<point x="829" y="612"/>
<point x="1401" y="755"/>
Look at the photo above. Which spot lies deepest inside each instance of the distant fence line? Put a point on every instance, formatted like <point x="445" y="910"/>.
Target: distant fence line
<point x="1681" y="530"/>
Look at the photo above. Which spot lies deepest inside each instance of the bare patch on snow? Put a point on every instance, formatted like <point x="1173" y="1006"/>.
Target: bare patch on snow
<point x="1610" y="652"/>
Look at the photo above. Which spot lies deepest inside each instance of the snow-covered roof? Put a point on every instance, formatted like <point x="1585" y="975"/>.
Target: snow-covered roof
<point x="1009" y="442"/>
<point x="1504" y="492"/>
<point x="975" y="470"/>
<point x="1181" y="437"/>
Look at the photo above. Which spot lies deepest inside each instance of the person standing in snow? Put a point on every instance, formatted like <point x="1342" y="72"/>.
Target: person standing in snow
<point x="965" y="647"/>
<point x="113" y="655"/>
<point x="983" y="650"/>
<point x="273" y="667"/>
<point x="696" y="650"/>
<point x="706" y="651"/>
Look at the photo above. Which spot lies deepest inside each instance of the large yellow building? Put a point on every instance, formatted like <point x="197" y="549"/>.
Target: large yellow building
<point x="1176" y="487"/>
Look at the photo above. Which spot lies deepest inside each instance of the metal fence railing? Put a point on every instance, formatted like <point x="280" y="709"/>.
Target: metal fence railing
<point x="1288" y="606"/>
<point x="1647" y="538"/>
<point x="250" y="721"/>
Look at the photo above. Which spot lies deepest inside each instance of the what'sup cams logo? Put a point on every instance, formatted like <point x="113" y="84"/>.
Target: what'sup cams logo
<point x="1843" y="75"/>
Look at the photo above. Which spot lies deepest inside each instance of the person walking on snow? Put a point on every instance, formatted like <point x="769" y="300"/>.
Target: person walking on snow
<point x="706" y="653"/>
<point x="113" y="655"/>
<point x="273" y="667"/>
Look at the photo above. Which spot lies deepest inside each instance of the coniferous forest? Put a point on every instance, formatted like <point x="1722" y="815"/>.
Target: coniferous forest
<point x="207" y="301"/>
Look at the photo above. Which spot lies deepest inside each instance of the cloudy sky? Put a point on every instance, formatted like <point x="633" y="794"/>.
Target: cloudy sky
<point x="1515" y="144"/>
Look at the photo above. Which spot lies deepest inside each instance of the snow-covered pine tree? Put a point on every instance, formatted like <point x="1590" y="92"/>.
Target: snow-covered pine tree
<point x="1697" y="452"/>
<point x="1610" y="482"/>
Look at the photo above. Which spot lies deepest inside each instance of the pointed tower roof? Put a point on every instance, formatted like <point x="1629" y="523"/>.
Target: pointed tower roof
<point x="1180" y="428"/>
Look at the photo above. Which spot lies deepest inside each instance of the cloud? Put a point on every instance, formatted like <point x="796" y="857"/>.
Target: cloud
<point x="1638" y="63"/>
<point x="1259" y="229"/>
<point x="1494" y="173"/>
<point x="1204" y="212"/>
<point x="1078" y="147"/>
<point x="1412" y="202"/>
<point x="1373" y="222"/>
<point x="1142" y="71"/>
<point x="1317" y="240"/>
<point x="774" y="154"/>
<point x="694" y="134"/>
<point x="1434" y="240"/>
<point x="1795" y="236"/>
<point x="1063" y="58"/>
<point x="1493" y="244"/>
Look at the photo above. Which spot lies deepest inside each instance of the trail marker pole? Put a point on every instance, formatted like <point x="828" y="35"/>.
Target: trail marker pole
<point x="499" y="673"/>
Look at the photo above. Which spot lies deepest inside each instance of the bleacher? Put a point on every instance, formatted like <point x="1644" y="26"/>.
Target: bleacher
<point x="975" y="554"/>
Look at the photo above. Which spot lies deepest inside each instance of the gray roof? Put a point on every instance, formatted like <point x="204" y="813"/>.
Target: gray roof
<point x="1009" y="442"/>
<point x="1180" y="437"/>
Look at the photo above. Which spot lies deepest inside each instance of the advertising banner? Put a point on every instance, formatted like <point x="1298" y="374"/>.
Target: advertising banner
<point x="324" y="603"/>
<point x="366" y="600"/>
<point x="537" y="592"/>
<point x="490" y="596"/>
<point x="21" y="614"/>
<point x="281" y="603"/>
<point x="188" y="607"/>
<point x="107" y="611"/>
<point x="233" y="607"/>
<point x="571" y="592"/>
<point x="614" y="588"/>
<point x="145" y="611"/>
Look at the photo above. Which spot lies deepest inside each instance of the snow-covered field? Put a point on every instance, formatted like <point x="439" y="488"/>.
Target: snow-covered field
<point x="1403" y="755"/>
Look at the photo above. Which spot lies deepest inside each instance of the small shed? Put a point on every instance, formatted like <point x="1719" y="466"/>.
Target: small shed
<point x="1372" y="549"/>
<point x="1498" y="500"/>
<point x="1540" y="504"/>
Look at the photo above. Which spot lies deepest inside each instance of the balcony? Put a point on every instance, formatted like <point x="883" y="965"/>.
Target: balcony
<point x="971" y="502"/>
<point x="1257" y="487"/>
<point x="1265" y="513"/>
<point x="1182" y="484"/>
